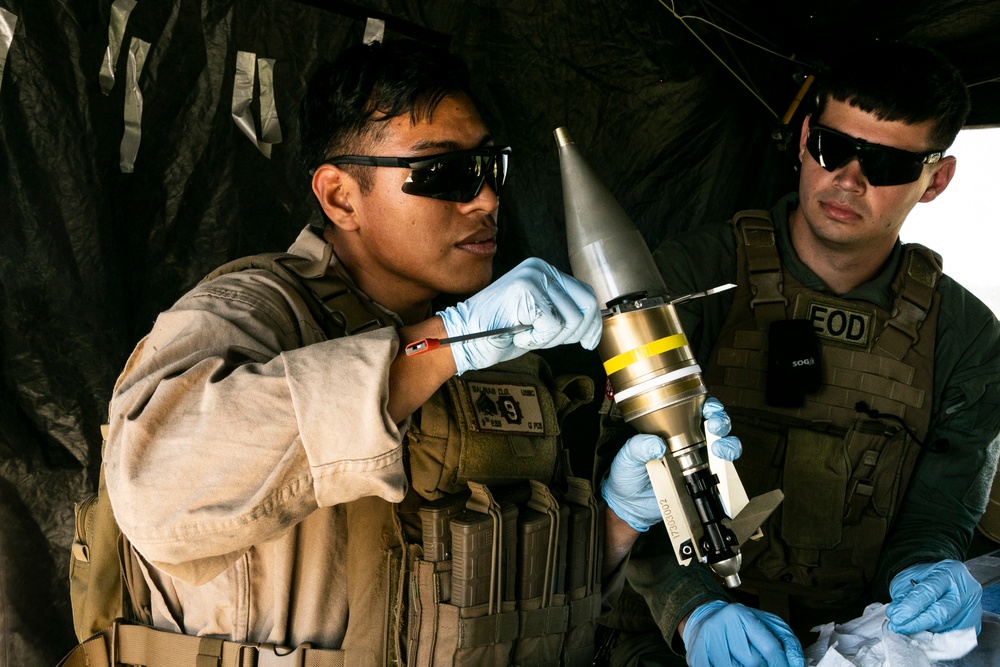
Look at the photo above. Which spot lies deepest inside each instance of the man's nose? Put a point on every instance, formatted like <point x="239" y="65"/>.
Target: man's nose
<point x="486" y="200"/>
<point x="850" y="176"/>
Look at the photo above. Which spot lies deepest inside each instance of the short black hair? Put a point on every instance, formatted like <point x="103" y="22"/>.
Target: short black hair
<point x="896" y="80"/>
<point x="348" y="101"/>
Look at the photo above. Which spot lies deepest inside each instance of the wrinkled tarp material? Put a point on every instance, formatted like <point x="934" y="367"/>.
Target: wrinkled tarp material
<point x="90" y="251"/>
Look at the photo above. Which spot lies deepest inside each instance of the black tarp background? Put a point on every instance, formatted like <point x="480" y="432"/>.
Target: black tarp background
<point x="89" y="255"/>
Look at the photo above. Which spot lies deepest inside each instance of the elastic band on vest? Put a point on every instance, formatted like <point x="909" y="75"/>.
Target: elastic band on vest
<point x="626" y="359"/>
<point x="657" y="382"/>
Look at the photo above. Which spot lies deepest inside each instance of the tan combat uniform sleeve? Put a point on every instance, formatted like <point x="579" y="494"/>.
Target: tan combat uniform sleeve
<point x="238" y="421"/>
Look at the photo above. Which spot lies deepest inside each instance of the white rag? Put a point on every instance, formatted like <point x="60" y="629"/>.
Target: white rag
<point x="868" y="642"/>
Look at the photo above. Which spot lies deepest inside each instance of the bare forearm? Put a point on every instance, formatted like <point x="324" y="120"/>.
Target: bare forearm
<point x="413" y="379"/>
<point x="618" y="540"/>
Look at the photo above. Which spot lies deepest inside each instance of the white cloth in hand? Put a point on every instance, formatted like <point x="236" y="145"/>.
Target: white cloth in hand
<point x="867" y="642"/>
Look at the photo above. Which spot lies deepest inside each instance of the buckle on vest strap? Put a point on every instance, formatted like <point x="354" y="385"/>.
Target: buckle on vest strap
<point x="270" y="655"/>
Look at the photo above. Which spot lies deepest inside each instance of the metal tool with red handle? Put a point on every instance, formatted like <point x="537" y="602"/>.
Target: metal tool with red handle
<point x="428" y="344"/>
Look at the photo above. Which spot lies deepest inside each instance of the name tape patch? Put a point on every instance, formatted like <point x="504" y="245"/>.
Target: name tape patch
<point x="508" y="408"/>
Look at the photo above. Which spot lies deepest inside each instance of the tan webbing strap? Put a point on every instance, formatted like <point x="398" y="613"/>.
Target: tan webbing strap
<point x="581" y="492"/>
<point x="482" y="630"/>
<point x="209" y="652"/>
<point x="142" y="645"/>
<point x="544" y="621"/>
<point x="482" y="501"/>
<point x="352" y="310"/>
<point x="915" y="286"/>
<point x="339" y="309"/>
<point x="543" y="501"/>
<point x="755" y="233"/>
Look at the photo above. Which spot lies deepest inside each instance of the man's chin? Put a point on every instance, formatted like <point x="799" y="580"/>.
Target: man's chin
<point x="467" y="285"/>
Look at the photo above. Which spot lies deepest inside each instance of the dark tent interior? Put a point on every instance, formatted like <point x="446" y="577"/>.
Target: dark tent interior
<point x="145" y="143"/>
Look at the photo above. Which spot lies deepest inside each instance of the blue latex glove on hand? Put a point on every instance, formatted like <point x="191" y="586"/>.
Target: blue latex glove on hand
<point x="560" y="308"/>
<point x="727" y="447"/>
<point x="937" y="597"/>
<point x="720" y="634"/>
<point x="627" y="489"/>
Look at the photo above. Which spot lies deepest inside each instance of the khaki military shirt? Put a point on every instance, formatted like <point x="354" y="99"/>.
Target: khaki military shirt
<point x="234" y="442"/>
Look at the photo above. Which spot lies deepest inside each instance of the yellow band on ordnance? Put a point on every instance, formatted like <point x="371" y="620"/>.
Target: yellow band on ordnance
<point x="625" y="359"/>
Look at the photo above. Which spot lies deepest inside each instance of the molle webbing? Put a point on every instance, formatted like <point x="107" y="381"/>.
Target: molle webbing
<point x="142" y="645"/>
<point x="755" y="238"/>
<point x="916" y="285"/>
<point x="521" y="584"/>
<point x="891" y="372"/>
<point x="340" y="308"/>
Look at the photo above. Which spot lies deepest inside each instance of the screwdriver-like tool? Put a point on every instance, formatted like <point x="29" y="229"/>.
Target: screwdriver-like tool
<point x="698" y="295"/>
<point x="428" y="344"/>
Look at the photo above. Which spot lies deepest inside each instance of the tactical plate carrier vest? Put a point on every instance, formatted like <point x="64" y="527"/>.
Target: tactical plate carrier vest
<point x="482" y="563"/>
<point x="843" y="472"/>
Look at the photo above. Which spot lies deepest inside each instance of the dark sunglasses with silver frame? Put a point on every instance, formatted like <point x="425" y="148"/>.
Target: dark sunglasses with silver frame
<point x="456" y="176"/>
<point x="881" y="165"/>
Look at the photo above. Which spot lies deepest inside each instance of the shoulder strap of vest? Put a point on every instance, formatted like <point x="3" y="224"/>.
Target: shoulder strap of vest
<point x="915" y="286"/>
<point x="755" y="235"/>
<point x="341" y="309"/>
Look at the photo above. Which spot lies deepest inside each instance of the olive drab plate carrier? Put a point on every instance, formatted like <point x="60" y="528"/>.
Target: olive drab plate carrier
<point x="844" y="472"/>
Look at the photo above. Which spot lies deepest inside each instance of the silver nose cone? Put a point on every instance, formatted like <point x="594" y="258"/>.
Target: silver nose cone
<point x="606" y="249"/>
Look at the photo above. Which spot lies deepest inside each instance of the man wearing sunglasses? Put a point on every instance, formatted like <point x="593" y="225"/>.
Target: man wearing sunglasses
<point x="861" y="380"/>
<point x="280" y="465"/>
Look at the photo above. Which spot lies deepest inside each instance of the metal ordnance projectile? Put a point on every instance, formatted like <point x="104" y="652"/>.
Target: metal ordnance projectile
<point x="606" y="249"/>
<point x="654" y="375"/>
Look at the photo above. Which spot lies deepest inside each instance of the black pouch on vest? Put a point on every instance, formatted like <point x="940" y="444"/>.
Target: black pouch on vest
<point x="793" y="364"/>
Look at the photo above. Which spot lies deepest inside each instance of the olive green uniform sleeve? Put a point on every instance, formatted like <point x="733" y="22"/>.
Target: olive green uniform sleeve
<point x="951" y="483"/>
<point x="668" y="590"/>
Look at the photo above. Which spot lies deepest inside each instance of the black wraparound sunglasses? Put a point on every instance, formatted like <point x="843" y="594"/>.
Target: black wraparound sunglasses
<point x="881" y="165"/>
<point x="457" y="176"/>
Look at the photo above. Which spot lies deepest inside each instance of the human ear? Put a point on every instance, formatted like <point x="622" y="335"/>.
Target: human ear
<point x="943" y="173"/>
<point x="333" y="188"/>
<point x="802" y="137"/>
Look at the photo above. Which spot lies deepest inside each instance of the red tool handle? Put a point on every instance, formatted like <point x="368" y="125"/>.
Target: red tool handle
<point x="422" y="345"/>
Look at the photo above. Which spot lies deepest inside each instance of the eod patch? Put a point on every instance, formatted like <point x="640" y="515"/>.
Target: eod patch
<point x="838" y="320"/>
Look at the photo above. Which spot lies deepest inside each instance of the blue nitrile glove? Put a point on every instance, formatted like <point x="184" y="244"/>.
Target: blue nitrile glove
<point x="627" y="489"/>
<point x="560" y="308"/>
<point x="721" y="634"/>
<point x="937" y="597"/>
<point x="727" y="447"/>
